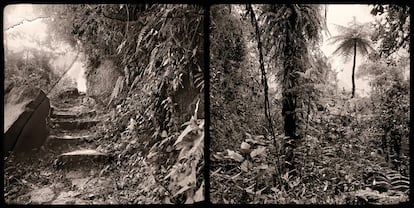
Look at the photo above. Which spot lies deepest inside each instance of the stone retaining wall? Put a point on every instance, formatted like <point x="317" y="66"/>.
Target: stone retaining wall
<point x="25" y="112"/>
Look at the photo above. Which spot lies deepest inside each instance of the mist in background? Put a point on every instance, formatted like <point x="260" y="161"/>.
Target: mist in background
<point x="23" y="27"/>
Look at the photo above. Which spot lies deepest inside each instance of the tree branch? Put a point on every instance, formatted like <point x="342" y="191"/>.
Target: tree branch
<point x="24" y="20"/>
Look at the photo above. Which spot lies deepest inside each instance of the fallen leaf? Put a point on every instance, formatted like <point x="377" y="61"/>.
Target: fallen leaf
<point x="164" y="134"/>
<point x="259" y="192"/>
<point x="234" y="155"/>
<point x="259" y="151"/>
<point x="235" y="176"/>
<point x="187" y="130"/>
<point x="199" y="194"/>
<point x="245" y="147"/>
<point x="246" y="166"/>
<point x="326" y="187"/>
<point x="250" y="189"/>
<point x="167" y="200"/>
<point x="255" y="142"/>
<point x="218" y="156"/>
<point x="262" y="167"/>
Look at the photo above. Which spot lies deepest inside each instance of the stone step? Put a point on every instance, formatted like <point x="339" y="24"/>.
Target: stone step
<point x="72" y="115"/>
<point x="71" y="92"/>
<point x="67" y="103"/>
<point x="70" y="108"/>
<point x="62" y="132"/>
<point x="83" y="152"/>
<point x="74" y="124"/>
<point x="72" y="137"/>
<point x="62" y="142"/>
<point x="81" y="157"/>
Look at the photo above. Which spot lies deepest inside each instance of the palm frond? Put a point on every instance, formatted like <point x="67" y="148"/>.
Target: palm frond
<point x="364" y="46"/>
<point x="355" y="33"/>
<point x="345" y="47"/>
<point x="342" y="29"/>
<point x="338" y="38"/>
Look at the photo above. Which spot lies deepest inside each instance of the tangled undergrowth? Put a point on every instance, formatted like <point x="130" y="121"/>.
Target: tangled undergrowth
<point x="332" y="169"/>
<point x="169" y="170"/>
<point x="159" y="57"/>
<point x="330" y="174"/>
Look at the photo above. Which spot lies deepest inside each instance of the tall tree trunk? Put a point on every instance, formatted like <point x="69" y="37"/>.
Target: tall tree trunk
<point x="289" y="100"/>
<point x="353" y="71"/>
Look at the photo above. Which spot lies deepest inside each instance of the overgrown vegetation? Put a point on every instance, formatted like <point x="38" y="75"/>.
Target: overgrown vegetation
<point x="281" y="130"/>
<point x="329" y="148"/>
<point x="235" y="94"/>
<point x="32" y="67"/>
<point x="156" y="52"/>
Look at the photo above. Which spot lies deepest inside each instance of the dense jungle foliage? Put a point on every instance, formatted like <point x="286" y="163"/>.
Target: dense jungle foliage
<point x="154" y="52"/>
<point x="327" y="147"/>
<point x="282" y="129"/>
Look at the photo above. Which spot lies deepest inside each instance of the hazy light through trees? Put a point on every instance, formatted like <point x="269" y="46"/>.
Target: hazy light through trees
<point x="342" y="14"/>
<point x="27" y="31"/>
<point x="24" y="29"/>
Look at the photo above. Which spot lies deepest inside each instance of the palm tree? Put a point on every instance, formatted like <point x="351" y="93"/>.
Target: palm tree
<point x="353" y="39"/>
<point x="290" y="32"/>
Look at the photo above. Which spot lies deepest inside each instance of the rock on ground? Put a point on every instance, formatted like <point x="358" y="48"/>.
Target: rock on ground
<point x="42" y="195"/>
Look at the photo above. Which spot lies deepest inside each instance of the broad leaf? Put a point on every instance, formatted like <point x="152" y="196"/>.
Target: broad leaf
<point x="259" y="151"/>
<point x="234" y="155"/>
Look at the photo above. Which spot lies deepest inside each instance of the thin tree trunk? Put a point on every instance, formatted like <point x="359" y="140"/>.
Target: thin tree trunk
<point x="264" y="82"/>
<point x="353" y="71"/>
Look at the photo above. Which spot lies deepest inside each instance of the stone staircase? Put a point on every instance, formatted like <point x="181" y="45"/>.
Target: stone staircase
<point x="71" y="136"/>
<point x="78" y="163"/>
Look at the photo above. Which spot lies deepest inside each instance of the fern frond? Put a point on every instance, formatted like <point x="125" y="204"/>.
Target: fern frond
<point x="141" y="34"/>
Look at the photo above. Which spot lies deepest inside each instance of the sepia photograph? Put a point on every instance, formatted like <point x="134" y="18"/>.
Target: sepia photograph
<point x="119" y="104"/>
<point x="103" y="104"/>
<point x="309" y="104"/>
